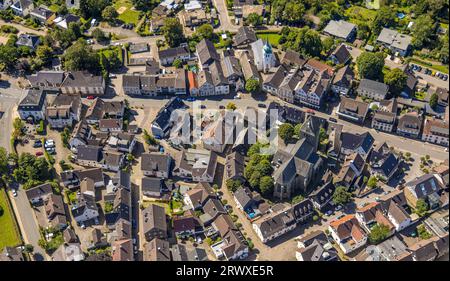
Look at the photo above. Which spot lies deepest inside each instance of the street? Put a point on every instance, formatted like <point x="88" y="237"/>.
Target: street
<point x="28" y="223"/>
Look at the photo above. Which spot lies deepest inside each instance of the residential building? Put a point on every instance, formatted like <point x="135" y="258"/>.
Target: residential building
<point x="348" y="233"/>
<point x="370" y="215"/>
<point x="83" y="83"/>
<point x="39" y="194"/>
<point x="101" y="109"/>
<point x="383" y="162"/>
<point x="42" y="14"/>
<point x="64" y="111"/>
<point x="182" y="252"/>
<point x="323" y="195"/>
<point x="11" y="254"/>
<point x="243" y="198"/>
<point x="47" y="80"/>
<point x="152" y="187"/>
<point x="22" y="8"/>
<point x="385" y="116"/>
<point x="395" y="41"/>
<point x="312" y="88"/>
<point x="356" y="143"/>
<point x="122" y="250"/>
<point x="168" y="56"/>
<point x="342" y="81"/>
<point x="315" y="247"/>
<point x="162" y="123"/>
<point x="372" y="89"/>
<point x="154" y="222"/>
<point x="184" y="226"/>
<point x="352" y="110"/>
<point x="32" y="106"/>
<point x="85" y="209"/>
<point x="196" y="197"/>
<point x="341" y="29"/>
<point x="244" y="37"/>
<point x="426" y="188"/>
<point x="196" y="164"/>
<point x="28" y="40"/>
<point x="157" y="250"/>
<point x="410" y="124"/>
<point x="234" y="166"/>
<point x="340" y="55"/>
<point x="156" y="165"/>
<point x="206" y="53"/>
<point x="436" y="131"/>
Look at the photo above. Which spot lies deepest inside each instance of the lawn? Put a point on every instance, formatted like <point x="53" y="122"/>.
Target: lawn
<point x="126" y="14"/>
<point x="420" y="95"/>
<point x="375" y="4"/>
<point x="359" y="15"/>
<point x="162" y="204"/>
<point x="9" y="234"/>
<point x="109" y="51"/>
<point x="437" y="67"/>
<point x="273" y="38"/>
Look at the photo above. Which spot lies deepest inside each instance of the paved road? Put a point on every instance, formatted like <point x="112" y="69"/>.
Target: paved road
<point x="28" y="223"/>
<point x="436" y="152"/>
<point x="225" y="21"/>
<point x="9" y="99"/>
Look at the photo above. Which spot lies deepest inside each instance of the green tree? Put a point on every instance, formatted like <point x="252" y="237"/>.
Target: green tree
<point x="98" y="35"/>
<point x="385" y="17"/>
<point x="177" y="63"/>
<point x="205" y="31"/>
<point x="254" y="179"/>
<point x="252" y="85"/>
<point x="173" y="32"/>
<point x="109" y="14"/>
<point x="373" y="182"/>
<point x="286" y="132"/>
<point x="423" y="232"/>
<point x="266" y="185"/>
<point x="327" y="44"/>
<point x="44" y="53"/>
<point x="434" y="100"/>
<point x="341" y="196"/>
<point x="233" y="185"/>
<point x="8" y="56"/>
<point x="3" y="161"/>
<point x="396" y="80"/>
<point x="93" y="8"/>
<point x="423" y="30"/>
<point x="304" y="40"/>
<point x="254" y="19"/>
<point x="80" y="56"/>
<point x="421" y="207"/>
<point x="231" y="106"/>
<point x="370" y="65"/>
<point x="378" y="233"/>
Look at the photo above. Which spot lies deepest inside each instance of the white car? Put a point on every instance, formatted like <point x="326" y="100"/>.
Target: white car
<point x="14" y="193"/>
<point x="338" y="207"/>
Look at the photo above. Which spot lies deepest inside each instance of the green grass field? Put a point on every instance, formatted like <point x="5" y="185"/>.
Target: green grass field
<point x="375" y="4"/>
<point x="129" y="15"/>
<point x="9" y="235"/>
<point x="273" y="38"/>
<point x="109" y="51"/>
<point x="359" y="15"/>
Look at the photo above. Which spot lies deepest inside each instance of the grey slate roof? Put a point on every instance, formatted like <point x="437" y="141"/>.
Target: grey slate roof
<point x="341" y="29"/>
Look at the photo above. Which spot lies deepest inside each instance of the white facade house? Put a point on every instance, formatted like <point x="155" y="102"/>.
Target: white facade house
<point x="33" y="105"/>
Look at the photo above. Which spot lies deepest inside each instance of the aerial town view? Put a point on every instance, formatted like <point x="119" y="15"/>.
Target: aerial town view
<point x="224" y="130"/>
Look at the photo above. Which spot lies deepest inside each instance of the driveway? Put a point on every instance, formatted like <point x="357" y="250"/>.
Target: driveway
<point x="23" y="29"/>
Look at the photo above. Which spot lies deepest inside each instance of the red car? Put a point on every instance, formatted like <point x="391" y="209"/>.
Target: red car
<point x="310" y="111"/>
<point x="90" y="97"/>
<point x="39" y="153"/>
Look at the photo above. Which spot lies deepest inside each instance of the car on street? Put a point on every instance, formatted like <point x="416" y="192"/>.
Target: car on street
<point x="237" y="97"/>
<point x="332" y="119"/>
<point x="329" y="212"/>
<point x="14" y="192"/>
<point x="262" y="105"/>
<point x="39" y="153"/>
<point x="310" y="111"/>
<point x="90" y="97"/>
<point x="37" y="143"/>
<point x="338" y="207"/>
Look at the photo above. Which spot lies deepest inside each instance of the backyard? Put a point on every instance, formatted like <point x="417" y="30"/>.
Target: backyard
<point x="358" y="15"/>
<point x="126" y="13"/>
<point x="9" y="234"/>
<point x="272" y="37"/>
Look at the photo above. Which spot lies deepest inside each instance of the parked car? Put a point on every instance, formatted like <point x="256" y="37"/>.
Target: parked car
<point x="221" y="107"/>
<point x="329" y="212"/>
<point x="310" y="111"/>
<point x="39" y="153"/>
<point x="14" y="192"/>
<point x="338" y="207"/>
<point x="90" y="97"/>
<point x="332" y="119"/>
<point x="262" y="105"/>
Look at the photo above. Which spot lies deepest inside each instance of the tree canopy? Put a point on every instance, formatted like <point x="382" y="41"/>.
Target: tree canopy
<point x="370" y="65"/>
<point x="173" y="32"/>
<point x="396" y="80"/>
<point x="378" y="233"/>
<point x="286" y="132"/>
<point x="252" y="85"/>
<point x="304" y="40"/>
<point x="341" y="196"/>
<point x="80" y="56"/>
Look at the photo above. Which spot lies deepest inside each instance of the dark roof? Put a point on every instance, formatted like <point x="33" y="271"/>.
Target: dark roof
<point x="244" y="196"/>
<point x="341" y="54"/>
<point x="89" y="153"/>
<point x="302" y="209"/>
<point x="84" y="202"/>
<point x="207" y="52"/>
<point x="34" y="99"/>
<point x="28" y="40"/>
<point x="276" y="222"/>
<point x="181" y="224"/>
<point x="293" y="58"/>
<point x="244" y="35"/>
<point x="151" y="184"/>
<point x="43" y="12"/>
<point x="324" y="193"/>
<point x="185" y="253"/>
<point x="81" y="79"/>
<point x="39" y="191"/>
<point x="355" y="107"/>
<point x="353" y="141"/>
<point x="424" y="186"/>
<point x="174" y="52"/>
<point x="344" y="76"/>
<point x="157" y="250"/>
<point x="155" y="162"/>
<point x="213" y="207"/>
<point x="154" y="217"/>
